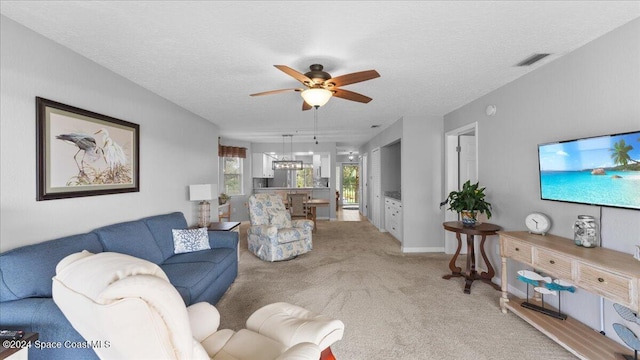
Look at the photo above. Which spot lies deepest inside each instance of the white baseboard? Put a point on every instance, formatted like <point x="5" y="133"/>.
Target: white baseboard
<point x="421" y="249"/>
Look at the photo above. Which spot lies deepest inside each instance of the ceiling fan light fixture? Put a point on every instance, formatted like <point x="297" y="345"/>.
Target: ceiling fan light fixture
<point x="316" y="96"/>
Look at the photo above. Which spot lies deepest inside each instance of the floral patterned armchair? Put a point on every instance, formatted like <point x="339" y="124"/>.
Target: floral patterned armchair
<point x="273" y="236"/>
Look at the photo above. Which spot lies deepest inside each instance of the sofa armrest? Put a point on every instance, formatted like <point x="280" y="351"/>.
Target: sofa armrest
<point x="223" y="239"/>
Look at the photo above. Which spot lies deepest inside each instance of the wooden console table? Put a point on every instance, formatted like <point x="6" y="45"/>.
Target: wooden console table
<point x="611" y="274"/>
<point x="484" y="230"/>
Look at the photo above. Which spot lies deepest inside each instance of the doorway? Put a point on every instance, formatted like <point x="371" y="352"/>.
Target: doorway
<point x="350" y="186"/>
<point x="364" y="188"/>
<point x="461" y="162"/>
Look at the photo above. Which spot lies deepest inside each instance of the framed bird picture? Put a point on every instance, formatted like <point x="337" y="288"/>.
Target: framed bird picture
<point x="82" y="153"/>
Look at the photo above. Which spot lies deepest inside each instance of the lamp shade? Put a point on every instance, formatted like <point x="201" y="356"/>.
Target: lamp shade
<point x="200" y="192"/>
<point x="316" y="97"/>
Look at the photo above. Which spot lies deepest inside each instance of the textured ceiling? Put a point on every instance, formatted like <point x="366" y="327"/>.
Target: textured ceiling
<point x="207" y="57"/>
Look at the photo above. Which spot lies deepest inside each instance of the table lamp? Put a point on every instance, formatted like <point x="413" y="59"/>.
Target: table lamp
<point x="203" y="193"/>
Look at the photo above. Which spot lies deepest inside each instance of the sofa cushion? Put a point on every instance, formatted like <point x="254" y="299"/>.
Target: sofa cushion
<point x="191" y="273"/>
<point x="132" y="238"/>
<point x="161" y="226"/>
<point x="190" y="240"/>
<point x="27" y="271"/>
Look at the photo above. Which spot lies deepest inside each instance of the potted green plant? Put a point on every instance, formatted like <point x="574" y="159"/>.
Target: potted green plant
<point x="223" y="198"/>
<point x="468" y="202"/>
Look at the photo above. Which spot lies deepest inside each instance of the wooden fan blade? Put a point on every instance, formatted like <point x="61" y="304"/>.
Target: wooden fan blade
<point x="352" y="78"/>
<point x="350" y="95"/>
<point x="295" y="74"/>
<point x="305" y="106"/>
<point x="274" y="92"/>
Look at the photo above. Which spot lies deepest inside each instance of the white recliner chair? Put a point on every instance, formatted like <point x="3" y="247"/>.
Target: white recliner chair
<point x="273" y="236"/>
<point x="128" y="308"/>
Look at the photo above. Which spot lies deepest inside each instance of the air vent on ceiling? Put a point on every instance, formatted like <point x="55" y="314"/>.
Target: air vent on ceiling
<point x="532" y="59"/>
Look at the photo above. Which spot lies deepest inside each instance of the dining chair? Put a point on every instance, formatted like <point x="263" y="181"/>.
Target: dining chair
<point x="298" y="205"/>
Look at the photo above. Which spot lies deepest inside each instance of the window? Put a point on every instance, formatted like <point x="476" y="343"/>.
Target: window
<point x="232" y="170"/>
<point x="304" y="177"/>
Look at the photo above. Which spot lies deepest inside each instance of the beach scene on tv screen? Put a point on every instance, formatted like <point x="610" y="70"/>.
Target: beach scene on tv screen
<point x="601" y="170"/>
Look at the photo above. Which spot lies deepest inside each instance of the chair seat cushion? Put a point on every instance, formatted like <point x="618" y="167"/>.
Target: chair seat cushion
<point x="247" y="345"/>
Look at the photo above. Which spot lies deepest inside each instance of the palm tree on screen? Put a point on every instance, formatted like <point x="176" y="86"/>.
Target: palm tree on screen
<point x="620" y="153"/>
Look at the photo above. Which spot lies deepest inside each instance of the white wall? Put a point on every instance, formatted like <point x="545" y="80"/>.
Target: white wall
<point x="422" y="178"/>
<point x="177" y="148"/>
<point x="594" y="90"/>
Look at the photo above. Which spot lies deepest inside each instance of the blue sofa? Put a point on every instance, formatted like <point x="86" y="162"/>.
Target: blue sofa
<point x="26" y="272"/>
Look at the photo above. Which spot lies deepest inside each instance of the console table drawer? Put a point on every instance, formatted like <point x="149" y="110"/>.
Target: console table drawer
<point x="553" y="263"/>
<point x="612" y="286"/>
<point x="517" y="251"/>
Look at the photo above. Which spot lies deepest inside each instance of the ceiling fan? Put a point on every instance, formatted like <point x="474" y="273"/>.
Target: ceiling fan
<point x="320" y="86"/>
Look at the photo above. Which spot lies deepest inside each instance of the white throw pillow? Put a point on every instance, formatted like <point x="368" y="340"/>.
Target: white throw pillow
<point x="190" y="240"/>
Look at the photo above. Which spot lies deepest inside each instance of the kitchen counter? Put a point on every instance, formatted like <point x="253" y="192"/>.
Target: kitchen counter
<point x="397" y="195"/>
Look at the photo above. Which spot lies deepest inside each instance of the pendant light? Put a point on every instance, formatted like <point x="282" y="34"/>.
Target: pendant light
<point x="285" y="164"/>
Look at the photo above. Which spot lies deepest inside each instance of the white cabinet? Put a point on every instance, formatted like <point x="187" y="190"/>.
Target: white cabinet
<point x="325" y="169"/>
<point x="262" y="165"/>
<point x="321" y="166"/>
<point x="268" y="166"/>
<point x="393" y="217"/>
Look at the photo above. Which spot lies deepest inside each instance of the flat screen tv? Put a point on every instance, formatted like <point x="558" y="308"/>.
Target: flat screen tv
<point x="600" y="170"/>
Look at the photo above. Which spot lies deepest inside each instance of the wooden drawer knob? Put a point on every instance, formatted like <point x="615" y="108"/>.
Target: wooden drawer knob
<point x="552" y="262"/>
<point x="517" y="249"/>
<point x="600" y="279"/>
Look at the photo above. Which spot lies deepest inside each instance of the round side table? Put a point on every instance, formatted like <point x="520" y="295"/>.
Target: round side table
<point x="484" y="230"/>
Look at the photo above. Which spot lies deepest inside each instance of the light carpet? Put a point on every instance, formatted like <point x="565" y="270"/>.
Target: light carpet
<point x="394" y="305"/>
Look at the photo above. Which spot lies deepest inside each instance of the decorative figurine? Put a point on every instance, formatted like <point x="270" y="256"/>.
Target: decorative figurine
<point x="544" y="285"/>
